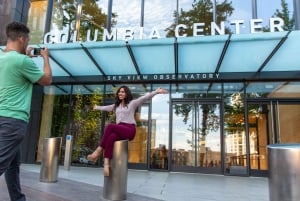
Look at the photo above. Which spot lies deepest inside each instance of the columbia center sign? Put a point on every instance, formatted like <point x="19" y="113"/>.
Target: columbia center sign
<point x="256" y="26"/>
<point x="198" y="30"/>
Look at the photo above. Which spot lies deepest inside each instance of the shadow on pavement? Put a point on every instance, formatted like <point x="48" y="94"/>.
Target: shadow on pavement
<point x="62" y="190"/>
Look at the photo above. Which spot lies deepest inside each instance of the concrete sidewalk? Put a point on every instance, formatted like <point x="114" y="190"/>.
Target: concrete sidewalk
<point x="83" y="183"/>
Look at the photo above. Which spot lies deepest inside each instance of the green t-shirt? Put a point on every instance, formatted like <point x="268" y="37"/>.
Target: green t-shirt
<point x="17" y="74"/>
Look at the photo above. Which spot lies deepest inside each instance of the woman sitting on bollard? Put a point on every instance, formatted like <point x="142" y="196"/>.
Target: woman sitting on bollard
<point x="124" y="129"/>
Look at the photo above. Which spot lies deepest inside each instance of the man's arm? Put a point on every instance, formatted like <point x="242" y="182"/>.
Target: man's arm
<point x="46" y="79"/>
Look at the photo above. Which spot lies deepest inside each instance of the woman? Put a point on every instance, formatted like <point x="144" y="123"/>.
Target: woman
<point x="124" y="129"/>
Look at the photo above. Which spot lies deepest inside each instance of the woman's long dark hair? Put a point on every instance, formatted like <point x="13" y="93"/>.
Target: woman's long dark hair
<point x="128" y="96"/>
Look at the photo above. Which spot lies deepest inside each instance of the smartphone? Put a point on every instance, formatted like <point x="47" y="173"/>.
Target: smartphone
<point x="37" y="51"/>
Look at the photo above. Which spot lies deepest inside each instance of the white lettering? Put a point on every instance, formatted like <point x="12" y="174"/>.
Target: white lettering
<point x="141" y="33"/>
<point x="56" y="37"/>
<point x="188" y="76"/>
<point x="48" y="38"/>
<point x="255" y="25"/>
<point x="220" y="30"/>
<point x="129" y="34"/>
<point x="63" y="37"/>
<point x="276" y="23"/>
<point x="180" y="28"/>
<point x="154" y="33"/>
<point x="88" y="37"/>
<point x="198" y="29"/>
<point x="74" y="37"/>
<point x="109" y="36"/>
<point x="237" y="23"/>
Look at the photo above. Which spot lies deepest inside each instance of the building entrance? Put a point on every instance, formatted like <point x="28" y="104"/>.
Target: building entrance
<point x="270" y="122"/>
<point x="196" y="136"/>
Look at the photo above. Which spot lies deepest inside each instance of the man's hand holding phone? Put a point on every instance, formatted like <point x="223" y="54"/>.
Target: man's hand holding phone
<point x="37" y="51"/>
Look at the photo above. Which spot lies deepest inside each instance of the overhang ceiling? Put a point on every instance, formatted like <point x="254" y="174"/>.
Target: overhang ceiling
<point x="233" y="57"/>
<point x="260" y="56"/>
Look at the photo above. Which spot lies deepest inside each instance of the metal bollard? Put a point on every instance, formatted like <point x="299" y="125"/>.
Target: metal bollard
<point x="284" y="172"/>
<point x="115" y="185"/>
<point x="68" y="152"/>
<point x="50" y="159"/>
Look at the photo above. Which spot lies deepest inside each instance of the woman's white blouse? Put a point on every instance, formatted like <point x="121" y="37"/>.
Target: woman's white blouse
<point x="126" y="114"/>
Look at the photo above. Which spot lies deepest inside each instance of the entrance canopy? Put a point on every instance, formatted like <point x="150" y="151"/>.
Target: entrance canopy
<point x="270" y="55"/>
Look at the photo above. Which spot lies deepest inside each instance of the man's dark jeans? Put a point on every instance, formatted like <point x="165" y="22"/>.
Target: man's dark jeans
<point x="12" y="132"/>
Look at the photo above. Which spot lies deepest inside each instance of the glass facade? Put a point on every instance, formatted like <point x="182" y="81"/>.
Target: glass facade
<point x="86" y="20"/>
<point x="235" y="141"/>
<point x="219" y="127"/>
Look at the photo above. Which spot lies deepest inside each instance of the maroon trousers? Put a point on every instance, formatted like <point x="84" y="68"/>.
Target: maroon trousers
<point x="116" y="132"/>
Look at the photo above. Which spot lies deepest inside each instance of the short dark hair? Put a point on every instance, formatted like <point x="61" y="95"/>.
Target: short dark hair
<point x="14" y="30"/>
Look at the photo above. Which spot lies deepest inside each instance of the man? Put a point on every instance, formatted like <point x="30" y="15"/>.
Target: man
<point x="18" y="73"/>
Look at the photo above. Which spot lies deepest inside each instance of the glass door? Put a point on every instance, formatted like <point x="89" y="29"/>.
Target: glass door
<point x="235" y="137"/>
<point x="196" y="145"/>
<point x="270" y="122"/>
<point x="259" y="125"/>
<point x="137" y="148"/>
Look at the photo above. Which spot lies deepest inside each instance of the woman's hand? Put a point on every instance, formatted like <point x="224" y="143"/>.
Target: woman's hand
<point x="160" y="90"/>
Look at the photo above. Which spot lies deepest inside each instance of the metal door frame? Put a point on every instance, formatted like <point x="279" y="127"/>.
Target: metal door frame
<point x="198" y="101"/>
<point x="273" y="124"/>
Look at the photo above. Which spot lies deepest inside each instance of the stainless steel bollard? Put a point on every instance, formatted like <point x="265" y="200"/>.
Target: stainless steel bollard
<point x="115" y="185"/>
<point x="68" y="152"/>
<point x="50" y="159"/>
<point x="284" y="172"/>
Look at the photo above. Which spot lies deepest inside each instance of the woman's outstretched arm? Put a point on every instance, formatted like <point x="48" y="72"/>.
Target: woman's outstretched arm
<point x="140" y="100"/>
<point x="160" y="90"/>
<point x="104" y="108"/>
